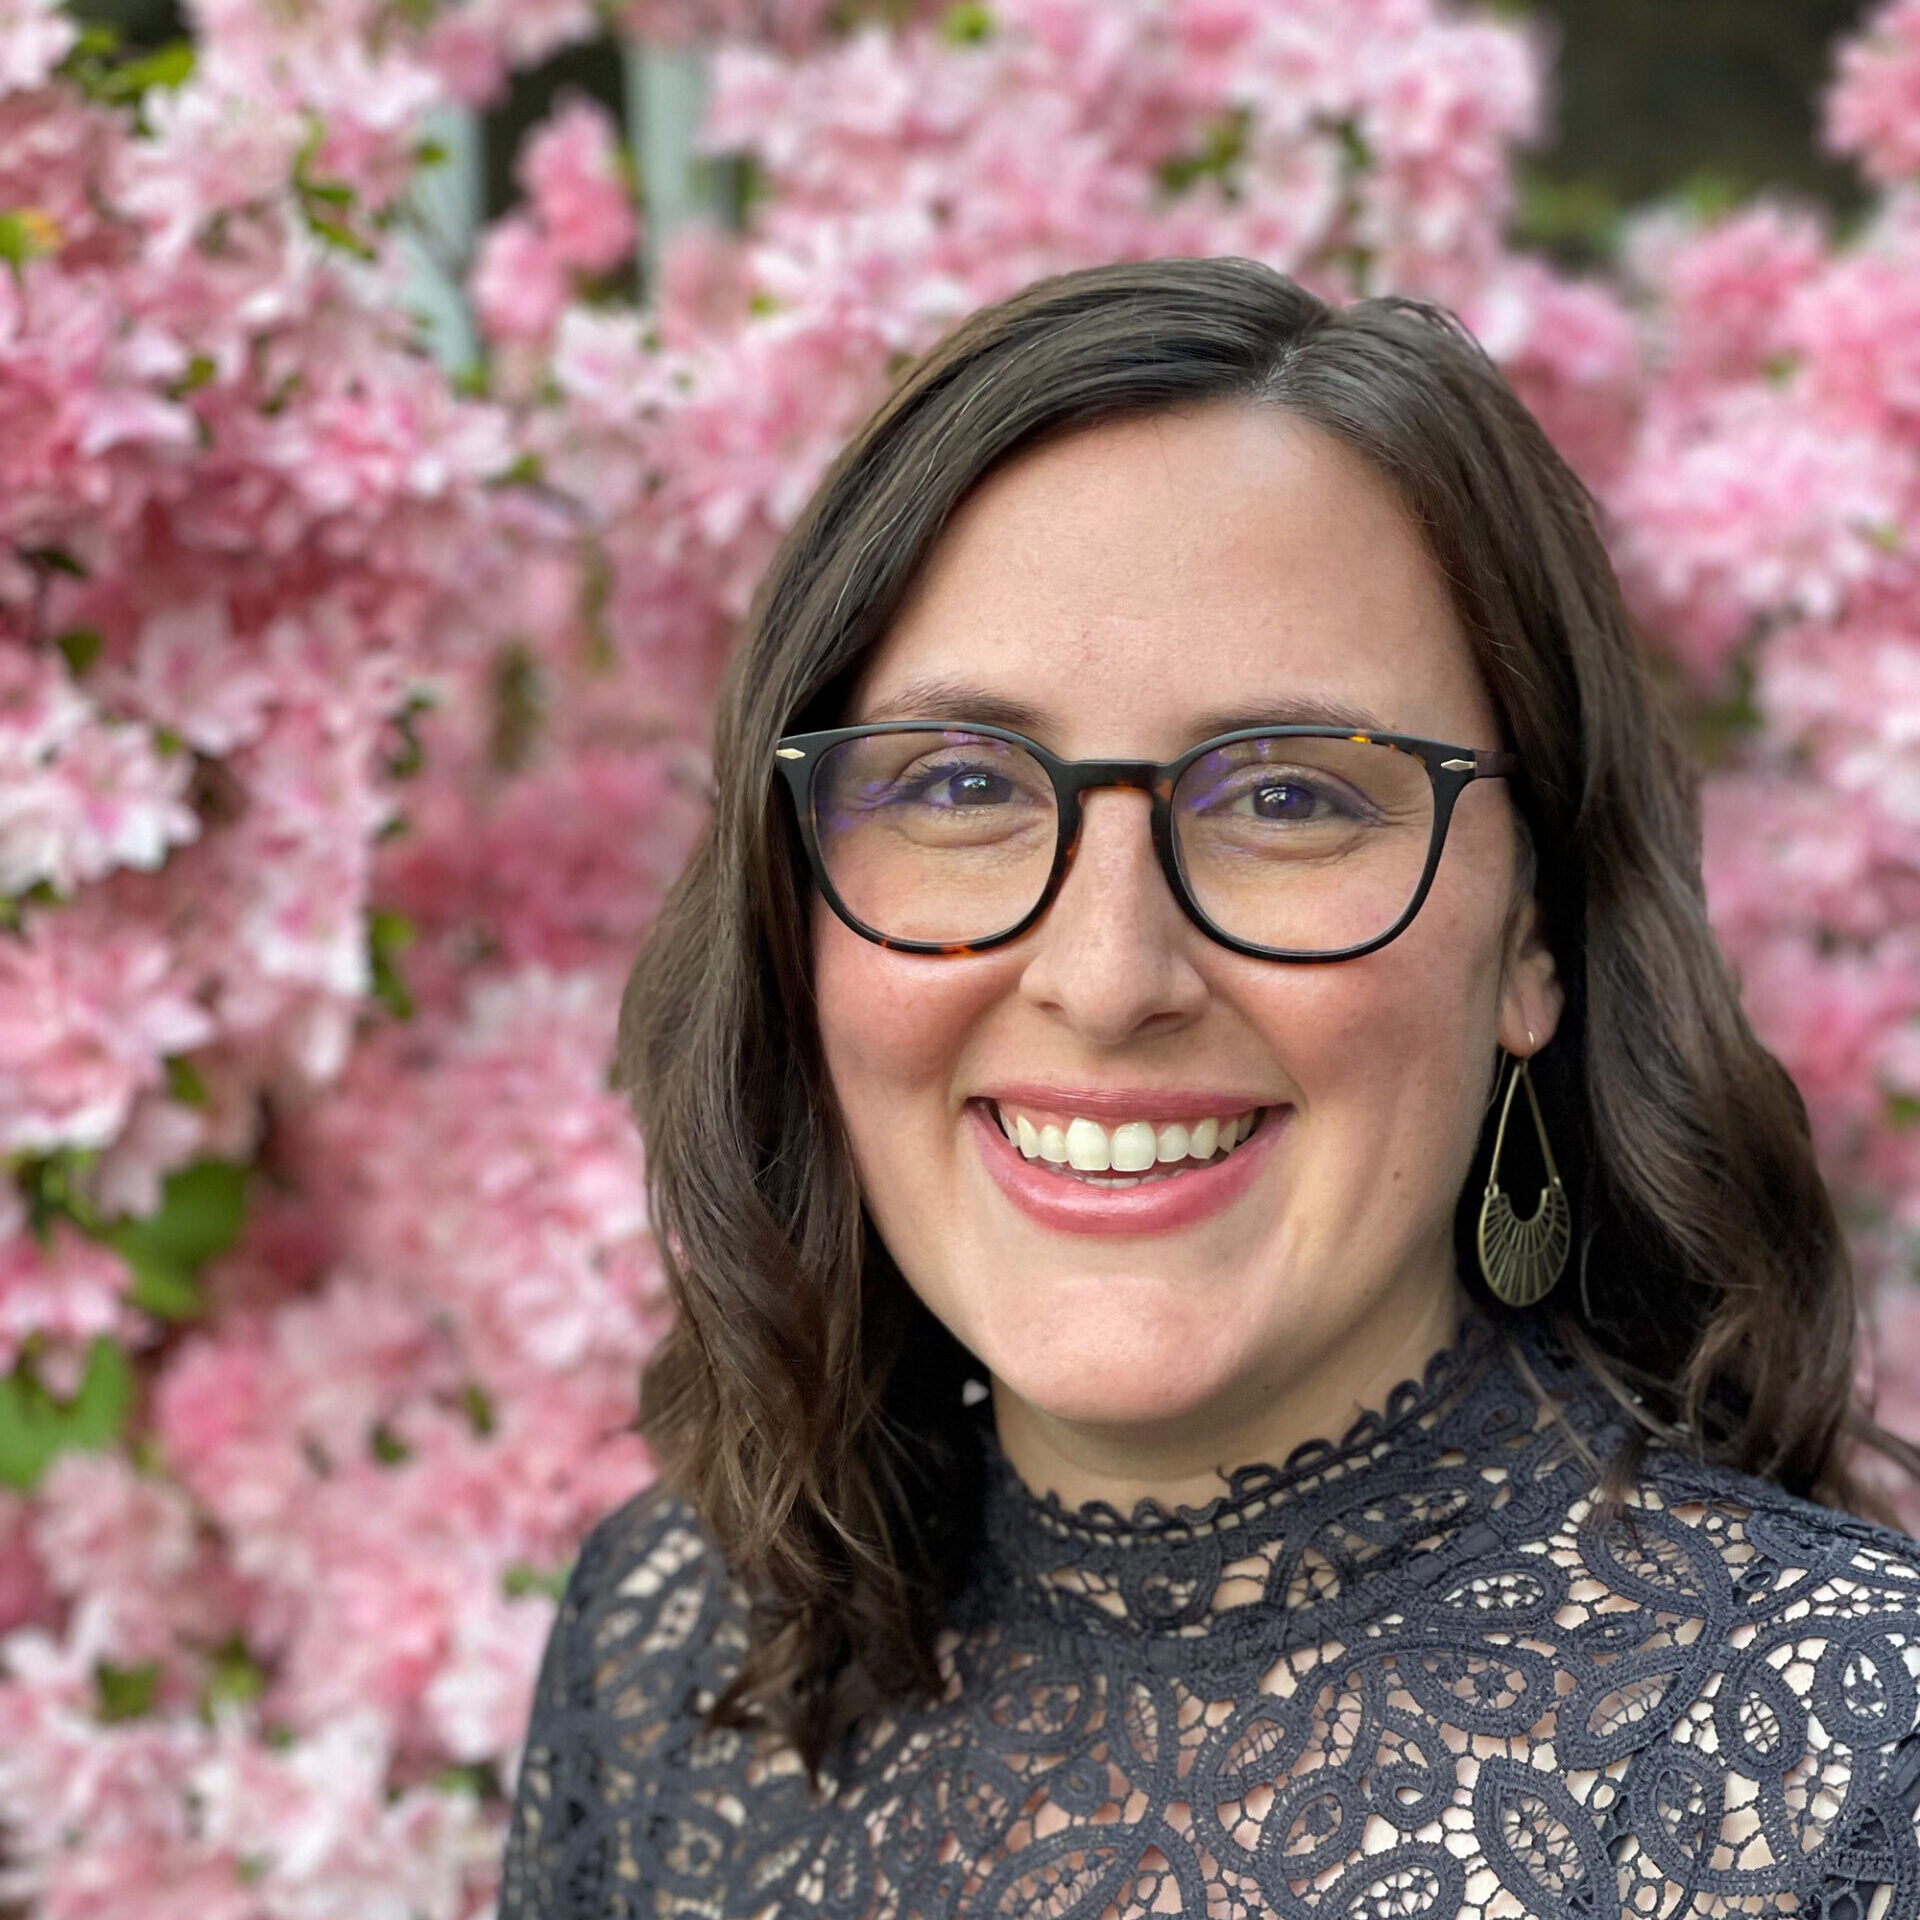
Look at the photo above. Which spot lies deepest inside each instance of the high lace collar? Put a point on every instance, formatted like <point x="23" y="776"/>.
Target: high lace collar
<point x="1333" y="1527"/>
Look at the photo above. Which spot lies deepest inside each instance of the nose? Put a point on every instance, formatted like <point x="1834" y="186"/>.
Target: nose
<point x="1113" y="954"/>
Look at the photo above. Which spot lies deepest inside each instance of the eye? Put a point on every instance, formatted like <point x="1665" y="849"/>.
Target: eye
<point x="1283" y="800"/>
<point x="970" y="787"/>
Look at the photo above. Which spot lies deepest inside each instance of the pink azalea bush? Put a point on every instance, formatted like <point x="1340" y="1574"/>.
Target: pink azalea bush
<point x="1767" y="523"/>
<point x="351" y="724"/>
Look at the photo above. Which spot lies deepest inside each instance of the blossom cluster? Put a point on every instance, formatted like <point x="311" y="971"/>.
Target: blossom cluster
<point x="351" y="726"/>
<point x="1767" y="524"/>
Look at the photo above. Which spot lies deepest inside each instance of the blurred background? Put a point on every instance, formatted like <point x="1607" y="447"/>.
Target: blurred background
<point x="1712" y="99"/>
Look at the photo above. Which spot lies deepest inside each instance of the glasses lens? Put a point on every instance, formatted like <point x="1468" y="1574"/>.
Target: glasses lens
<point x="1303" y="844"/>
<point x="937" y="836"/>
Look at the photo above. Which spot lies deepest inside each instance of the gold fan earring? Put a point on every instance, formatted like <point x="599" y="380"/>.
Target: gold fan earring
<point x="1522" y="1259"/>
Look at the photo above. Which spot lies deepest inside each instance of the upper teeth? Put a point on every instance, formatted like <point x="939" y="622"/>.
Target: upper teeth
<point x="1132" y="1147"/>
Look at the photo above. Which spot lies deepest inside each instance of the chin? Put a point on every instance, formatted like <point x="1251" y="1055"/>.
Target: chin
<point x="1119" y="1370"/>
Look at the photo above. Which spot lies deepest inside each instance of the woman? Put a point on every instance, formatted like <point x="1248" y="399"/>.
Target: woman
<point x="1122" y="1448"/>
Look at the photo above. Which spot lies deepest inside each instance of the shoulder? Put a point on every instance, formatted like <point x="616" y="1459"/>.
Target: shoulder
<point x="1777" y="1648"/>
<point x="649" y="1631"/>
<point x="650" y="1603"/>
<point x="1770" y="1540"/>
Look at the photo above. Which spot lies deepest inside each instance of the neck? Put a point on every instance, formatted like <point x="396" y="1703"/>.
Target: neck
<point x="1326" y="1381"/>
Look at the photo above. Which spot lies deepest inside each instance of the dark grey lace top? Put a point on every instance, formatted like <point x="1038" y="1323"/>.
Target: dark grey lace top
<point x="1396" y="1678"/>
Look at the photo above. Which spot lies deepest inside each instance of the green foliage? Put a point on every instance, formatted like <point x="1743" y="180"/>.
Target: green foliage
<point x="327" y="206"/>
<point x="234" y="1679"/>
<point x="125" y="1693"/>
<point x="410" y="754"/>
<point x="104" y="68"/>
<point x="477" y="1404"/>
<point x="80" y="647"/>
<point x="966" y="24"/>
<point x="26" y="234"/>
<point x="519" y="1581"/>
<point x="519" y="692"/>
<point x="389" y="935"/>
<point x="199" y="1217"/>
<point x="1578" y="221"/>
<point x="34" y="1425"/>
<point x="1217" y="155"/>
<point x="1721" y="725"/>
<point x="200" y="370"/>
<point x="184" y="1084"/>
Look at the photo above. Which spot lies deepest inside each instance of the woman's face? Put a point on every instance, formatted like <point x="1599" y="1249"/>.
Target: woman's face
<point x="1114" y="594"/>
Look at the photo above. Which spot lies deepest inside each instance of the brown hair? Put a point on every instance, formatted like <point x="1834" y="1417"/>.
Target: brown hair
<point x="805" y="1403"/>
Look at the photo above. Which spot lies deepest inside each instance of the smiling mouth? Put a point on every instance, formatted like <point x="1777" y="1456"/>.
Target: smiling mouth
<point x="1136" y="1153"/>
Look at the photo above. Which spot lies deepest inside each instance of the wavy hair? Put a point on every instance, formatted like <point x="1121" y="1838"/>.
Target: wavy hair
<point x="804" y="1402"/>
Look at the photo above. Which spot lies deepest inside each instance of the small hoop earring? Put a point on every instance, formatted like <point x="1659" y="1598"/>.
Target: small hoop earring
<point x="1521" y="1259"/>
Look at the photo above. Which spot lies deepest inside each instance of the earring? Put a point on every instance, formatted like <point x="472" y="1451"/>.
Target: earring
<point x="1522" y="1259"/>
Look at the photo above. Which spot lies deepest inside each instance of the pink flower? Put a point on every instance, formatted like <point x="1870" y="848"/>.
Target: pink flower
<point x="1725" y="289"/>
<point x="65" y="1291"/>
<point x="1873" y="110"/>
<point x="90" y="1008"/>
<point x="571" y="171"/>
<point x="1856" y="328"/>
<point x="519" y="281"/>
<point x="133" y="1538"/>
<point x="1756" y="508"/>
<point x="79" y="794"/>
<point x="35" y="36"/>
<point x="25" y="1597"/>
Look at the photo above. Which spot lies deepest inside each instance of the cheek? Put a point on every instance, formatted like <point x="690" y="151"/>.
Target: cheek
<point x="893" y="1027"/>
<point x="1390" y="1051"/>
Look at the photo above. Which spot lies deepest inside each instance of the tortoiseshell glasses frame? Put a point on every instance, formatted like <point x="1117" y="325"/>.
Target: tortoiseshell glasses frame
<point x="1450" y="770"/>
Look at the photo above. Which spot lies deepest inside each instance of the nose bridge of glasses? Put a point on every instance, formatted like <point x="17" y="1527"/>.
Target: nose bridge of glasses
<point x="1140" y="776"/>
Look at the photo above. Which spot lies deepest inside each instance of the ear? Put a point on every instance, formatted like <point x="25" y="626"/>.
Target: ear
<point x="1531" y="996"/>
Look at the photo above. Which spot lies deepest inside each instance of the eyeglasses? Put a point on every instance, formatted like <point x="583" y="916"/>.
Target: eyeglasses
<point x="1286" y="842"/>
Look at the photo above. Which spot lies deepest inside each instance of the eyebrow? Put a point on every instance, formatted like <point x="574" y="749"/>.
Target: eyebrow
<point x="957" y="700"/>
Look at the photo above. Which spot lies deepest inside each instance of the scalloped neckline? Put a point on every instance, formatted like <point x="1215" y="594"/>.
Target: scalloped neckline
<point x="1259" y="1482"/>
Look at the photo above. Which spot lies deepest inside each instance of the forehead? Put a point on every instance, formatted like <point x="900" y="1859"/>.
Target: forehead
<point x="1129" y="584"/>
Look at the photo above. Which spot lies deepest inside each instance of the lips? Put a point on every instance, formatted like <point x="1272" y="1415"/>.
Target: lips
<point x="1161" y="1201"/>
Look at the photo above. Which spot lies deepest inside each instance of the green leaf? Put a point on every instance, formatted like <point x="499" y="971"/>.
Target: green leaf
<point x="81" y="648"/>
<point x="336" y="234"/>
<point x="55" y="560"/>
<point x="521" y="1580"/>
<point x="26" y="234"/>
<point x="1903" y="1110"/>
<point x="165" y="66"/>
<point x="410" y="755"/>
<point x="126" y="1692"/>
<point x="96" y="38"/>
<point x="55" y="1186"/>
<point x="200" y="369"/>
<point x="34" y="1426"/>
<point x="389" y="935"/>
<point x="526" y="471"/>
<point x="184" y="1084"/>
<point x="1225" y="142"/>
<point x="478" y="1405"/>
<point x="966" y="24"/>
<point x="387" y="1446"/>
<point x="234" y="1679"/>
<point x="199" y="1217"/>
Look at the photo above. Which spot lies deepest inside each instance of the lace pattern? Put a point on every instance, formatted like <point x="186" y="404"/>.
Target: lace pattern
<point x="1403" y="1676"/>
